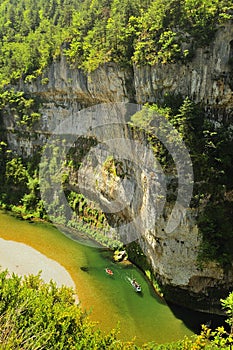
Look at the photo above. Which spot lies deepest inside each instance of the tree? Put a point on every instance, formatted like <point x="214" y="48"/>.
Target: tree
<point x="227" y="304"/>
<point x="38" y="315"/>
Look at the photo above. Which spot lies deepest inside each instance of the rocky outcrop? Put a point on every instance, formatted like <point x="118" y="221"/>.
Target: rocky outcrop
<point x="64" y="91"/>
<point x="185" y="281"/>
<point x="134" y="199"/>
<point x="66" y="85"/>
<point x="207" y="78"/>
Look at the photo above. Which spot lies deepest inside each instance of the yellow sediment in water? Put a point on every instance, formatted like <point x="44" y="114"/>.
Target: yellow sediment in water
<point x="49" y="241"/>
<point x="111" y="299"/>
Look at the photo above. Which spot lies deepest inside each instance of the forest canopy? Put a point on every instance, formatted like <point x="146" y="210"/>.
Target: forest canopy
<point x="91" y="32"/>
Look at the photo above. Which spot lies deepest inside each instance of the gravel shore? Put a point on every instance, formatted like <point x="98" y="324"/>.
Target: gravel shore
<point x="24" y="260"/>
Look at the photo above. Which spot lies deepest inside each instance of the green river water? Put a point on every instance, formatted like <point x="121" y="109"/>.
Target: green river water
<point x="111" y="300"/>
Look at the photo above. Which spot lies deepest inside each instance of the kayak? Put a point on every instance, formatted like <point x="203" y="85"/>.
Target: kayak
<point x="136" y="285"/>
<point x="108" y="271"/>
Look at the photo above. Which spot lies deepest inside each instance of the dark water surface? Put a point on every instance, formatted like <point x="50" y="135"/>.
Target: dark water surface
<point x="110" y="299"/>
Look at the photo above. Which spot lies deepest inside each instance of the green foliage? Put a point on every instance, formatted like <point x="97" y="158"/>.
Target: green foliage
<point x="95" y="32"/>
<point x="137" y="256"/>
<point x="18" y="174"/>
<point x="31" y="35"/>
<point x="21" y="107"/>
<point x="19" y="189"/>
<point x="227" y="304"/>
<point x="15" y="180"/>
<point x="143" y="32"/>
<point x="210" y="146"/>
<point x="215" y="224"/>
<point x="110" y="166"/>
<point x="74" y="209"/>
<point x="36" y="315"/>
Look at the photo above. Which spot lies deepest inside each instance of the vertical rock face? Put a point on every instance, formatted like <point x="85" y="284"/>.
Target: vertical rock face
<point x="208" y="78"/>
<point x="174" y="260"/>
<point x="65" y="85"/>
<point x="64" y="91"/>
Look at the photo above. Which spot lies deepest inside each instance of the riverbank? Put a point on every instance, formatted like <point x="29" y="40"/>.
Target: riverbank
<point x="85" y="238"/>
<point x="139" y="260"/>
<point x="108" y="300"/>
<point x="22" y="260"/>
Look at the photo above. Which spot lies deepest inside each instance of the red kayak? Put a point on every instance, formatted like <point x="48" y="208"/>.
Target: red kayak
<point x="108" y="271"/>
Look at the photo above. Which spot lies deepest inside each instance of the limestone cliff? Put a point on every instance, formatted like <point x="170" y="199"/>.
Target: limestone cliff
<point x="208" y="79"/>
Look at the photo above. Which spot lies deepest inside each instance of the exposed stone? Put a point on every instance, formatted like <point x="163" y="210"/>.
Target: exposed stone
<point x="208" y="79"/>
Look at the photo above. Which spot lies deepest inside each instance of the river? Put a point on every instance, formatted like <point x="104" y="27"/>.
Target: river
<point x="110" y="300"/>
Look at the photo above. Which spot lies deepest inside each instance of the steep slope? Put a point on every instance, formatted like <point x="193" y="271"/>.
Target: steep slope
<point x="64" y="91"/>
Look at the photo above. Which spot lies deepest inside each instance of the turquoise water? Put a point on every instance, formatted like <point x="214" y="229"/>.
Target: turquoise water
<point x="111" y="300"/>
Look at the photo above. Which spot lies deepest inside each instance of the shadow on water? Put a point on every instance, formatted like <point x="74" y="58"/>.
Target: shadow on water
<point x="194" y="319"/>
<point x="140" y="295"/>
<point x="111" y="301"/>
<point x="85" y="268"/>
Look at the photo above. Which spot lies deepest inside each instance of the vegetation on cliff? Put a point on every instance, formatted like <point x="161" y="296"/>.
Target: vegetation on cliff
<point x="210" y="147"/>
<point x="20" y="189"/>
<point x="91" y="32"/>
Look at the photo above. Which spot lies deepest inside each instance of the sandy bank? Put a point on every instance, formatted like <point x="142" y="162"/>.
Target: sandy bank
<point x="24" y="260"/>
